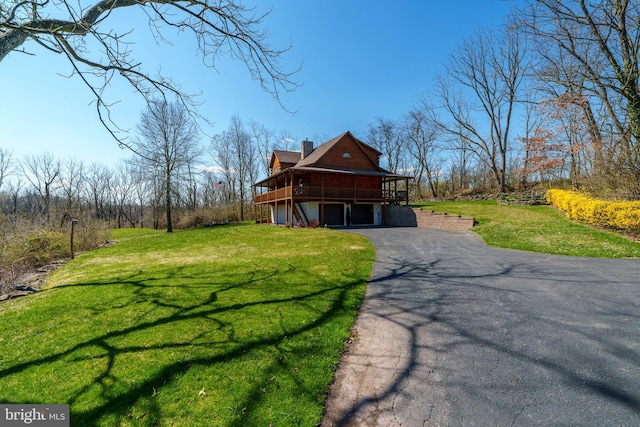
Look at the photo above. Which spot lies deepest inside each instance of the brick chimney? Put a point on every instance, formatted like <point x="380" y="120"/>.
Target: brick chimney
<point x="307" y="148"/>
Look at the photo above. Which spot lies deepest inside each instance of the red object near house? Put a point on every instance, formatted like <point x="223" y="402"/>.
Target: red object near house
<point x="338" y="181"/>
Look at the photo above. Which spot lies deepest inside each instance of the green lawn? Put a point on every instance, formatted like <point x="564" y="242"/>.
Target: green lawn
<point x="239" y="325"/>
<point x="538" y="229"/>
<point x="232" y="325"/>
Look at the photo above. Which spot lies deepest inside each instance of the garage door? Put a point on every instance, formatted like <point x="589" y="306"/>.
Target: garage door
<point x="334" y="214"/>
<point x="362" y="214"/>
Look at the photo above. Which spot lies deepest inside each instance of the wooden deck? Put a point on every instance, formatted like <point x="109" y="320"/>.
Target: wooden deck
<point x="308" y="193"/>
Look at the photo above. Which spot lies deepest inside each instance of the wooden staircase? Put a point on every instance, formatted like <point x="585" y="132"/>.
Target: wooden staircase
<point x="299" y="214"/>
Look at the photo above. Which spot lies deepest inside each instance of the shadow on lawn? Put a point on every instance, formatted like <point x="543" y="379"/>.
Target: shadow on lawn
<point x="498" y="338"/>
<point x="326" y="302"/>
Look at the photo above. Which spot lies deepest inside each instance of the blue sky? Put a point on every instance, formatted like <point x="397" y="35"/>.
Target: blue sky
<point x="360" y="60"/>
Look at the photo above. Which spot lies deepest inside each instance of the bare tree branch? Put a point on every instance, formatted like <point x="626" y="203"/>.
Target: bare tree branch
<point x="98" y="54"/>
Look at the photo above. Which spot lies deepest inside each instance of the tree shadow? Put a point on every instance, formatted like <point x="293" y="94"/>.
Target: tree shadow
<point x="213" y="306"/>
<point x="496" y="337"/>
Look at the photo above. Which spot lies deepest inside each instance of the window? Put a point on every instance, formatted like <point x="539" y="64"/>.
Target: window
<point x="346" y="156"/>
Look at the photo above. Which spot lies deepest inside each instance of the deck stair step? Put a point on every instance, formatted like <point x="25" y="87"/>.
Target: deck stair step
<point x="300" y="215"/>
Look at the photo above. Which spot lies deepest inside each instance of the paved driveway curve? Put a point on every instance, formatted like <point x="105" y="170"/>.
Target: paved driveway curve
<point x="453" y="332"/>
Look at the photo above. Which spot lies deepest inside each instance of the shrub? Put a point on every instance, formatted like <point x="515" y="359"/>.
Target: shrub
<point x="23" y="248"/>
<point x="191" y="220"/>
<point x="621" y="215"/>
<point x="90" y="234"/>
<point x="43" y="246"/>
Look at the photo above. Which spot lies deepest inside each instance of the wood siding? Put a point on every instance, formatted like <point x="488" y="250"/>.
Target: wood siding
<point x="342" y="181"/>
<point x="329" y="180"/>
<point x="277" y="165"/>
<point x="362" y="158"/>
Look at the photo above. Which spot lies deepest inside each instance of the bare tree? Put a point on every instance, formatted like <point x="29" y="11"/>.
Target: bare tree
<point x="223" y="158"/>
<point x="14" y="191"/>
<point x="562" y="84"/>
<point x="596" y="44"/>
<point x="384" y="135"/>
<point x="603" y="38"/>
<point x="6" y="165"/>
<point x="533" y="119"/>
<point x="237" y="156"/>
<point x="142" y="189"/>
<point x="463" y="159"/>
<point x="122" y="192"/>
<point x="285" y="141"/>
<point x="97" y="183"/>
<point x="189" y="191"/>
<point x="263" y="139"/>
<point x="74" y="29"/>
<point x="71" y="179"/>
<point x="420" y="133"/>
<point x="480" y="95"/>
<point x="168" y="145"/>
<point x="42" y="172"/>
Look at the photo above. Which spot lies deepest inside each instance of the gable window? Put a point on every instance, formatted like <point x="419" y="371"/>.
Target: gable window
<point x="346" y="156"/>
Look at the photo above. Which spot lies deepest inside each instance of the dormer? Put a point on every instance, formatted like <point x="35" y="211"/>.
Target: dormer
<point x="281" y="160"/>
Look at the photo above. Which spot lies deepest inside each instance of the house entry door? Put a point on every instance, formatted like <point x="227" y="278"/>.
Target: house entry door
<point x="334" y="213"/>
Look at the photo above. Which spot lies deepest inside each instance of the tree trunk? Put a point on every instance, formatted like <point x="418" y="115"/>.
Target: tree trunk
<point x="168" y="200"/>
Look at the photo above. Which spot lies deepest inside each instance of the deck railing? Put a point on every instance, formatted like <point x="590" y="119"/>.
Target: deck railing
<point x="331" y="193"/>
<point x="271" y="196"/>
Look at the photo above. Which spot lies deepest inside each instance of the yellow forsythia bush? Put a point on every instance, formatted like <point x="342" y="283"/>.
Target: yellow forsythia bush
<point x="623" y="215"/>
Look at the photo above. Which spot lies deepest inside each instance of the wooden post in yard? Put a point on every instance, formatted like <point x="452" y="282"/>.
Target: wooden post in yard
<point x="73" y="226"/>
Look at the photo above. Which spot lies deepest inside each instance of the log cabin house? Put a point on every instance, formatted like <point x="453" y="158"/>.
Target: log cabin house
<point x="338" y="183"/>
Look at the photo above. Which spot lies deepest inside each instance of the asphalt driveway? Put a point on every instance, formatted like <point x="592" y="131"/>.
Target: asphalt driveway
<point x="453" y="332"/>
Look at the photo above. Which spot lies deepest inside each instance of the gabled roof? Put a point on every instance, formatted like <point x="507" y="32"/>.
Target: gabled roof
<point x="316" y="161"/>
<point x="317" y="154"/>
<point x="291" y="160"/>
<point x="287" y="156"/>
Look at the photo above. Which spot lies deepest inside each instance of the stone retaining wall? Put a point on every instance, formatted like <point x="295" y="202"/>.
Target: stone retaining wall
<point x="430" y="219"/>
<point x="405" y="216"/>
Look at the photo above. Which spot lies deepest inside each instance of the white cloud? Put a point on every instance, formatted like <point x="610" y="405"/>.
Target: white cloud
<point x="211" y="169"/>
